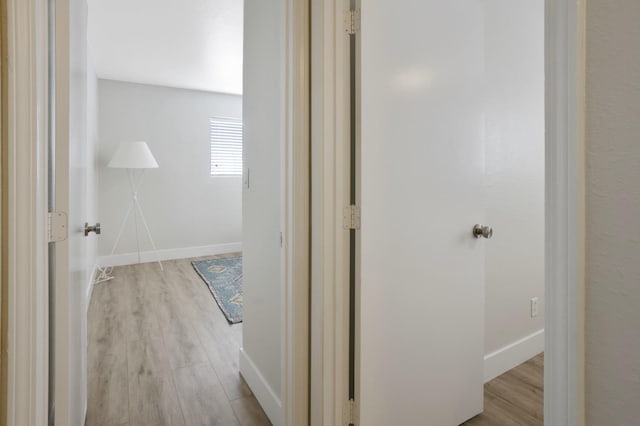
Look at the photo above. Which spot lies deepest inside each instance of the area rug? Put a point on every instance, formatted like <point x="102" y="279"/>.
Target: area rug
<point x="223" y="276"/>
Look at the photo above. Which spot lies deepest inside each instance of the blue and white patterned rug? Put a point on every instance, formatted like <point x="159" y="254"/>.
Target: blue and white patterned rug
<point x="224" y="279"/>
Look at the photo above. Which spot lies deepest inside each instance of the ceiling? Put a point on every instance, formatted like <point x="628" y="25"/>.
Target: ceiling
<point x="191" y="44"/>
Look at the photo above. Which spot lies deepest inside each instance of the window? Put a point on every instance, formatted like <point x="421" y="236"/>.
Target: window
<point x="225" y="135"/>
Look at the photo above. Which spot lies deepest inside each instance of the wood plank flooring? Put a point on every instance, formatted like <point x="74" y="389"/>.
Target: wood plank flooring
<point x="515" y="398"/>
<point x="162" y="353"/>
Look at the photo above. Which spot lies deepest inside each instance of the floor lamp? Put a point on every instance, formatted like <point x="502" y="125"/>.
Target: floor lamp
<point x="135" y="157"/>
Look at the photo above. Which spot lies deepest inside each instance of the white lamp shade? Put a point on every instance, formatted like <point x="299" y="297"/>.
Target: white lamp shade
<point x="133" y="155"/>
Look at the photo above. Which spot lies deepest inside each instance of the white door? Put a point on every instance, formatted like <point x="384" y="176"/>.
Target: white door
<point x="422" y="158"/>
<point x="72" y="158"/>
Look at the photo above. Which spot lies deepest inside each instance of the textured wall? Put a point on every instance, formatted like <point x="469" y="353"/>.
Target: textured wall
<point x="613" y="213"/>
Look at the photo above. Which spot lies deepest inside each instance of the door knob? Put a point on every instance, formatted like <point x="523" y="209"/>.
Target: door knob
<point x="482" y="231"/>
<point x="88" y="229"/>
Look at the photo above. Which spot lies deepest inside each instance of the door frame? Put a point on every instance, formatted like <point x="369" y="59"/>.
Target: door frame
<point x="330" y="132"/>
<point x="25" y="211"/>
<point x="564" y="212"/>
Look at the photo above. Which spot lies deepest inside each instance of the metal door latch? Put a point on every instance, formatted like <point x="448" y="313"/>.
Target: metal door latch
<point x="480" y="231"/>
<point x="88" y="229"/>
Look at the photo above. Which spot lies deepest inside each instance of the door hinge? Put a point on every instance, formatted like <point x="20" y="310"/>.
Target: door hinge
<point x="58" y="228"/>
<point x="350" y="413"/>
<point x="351" y="217"/>
<point x="352" y="21"/>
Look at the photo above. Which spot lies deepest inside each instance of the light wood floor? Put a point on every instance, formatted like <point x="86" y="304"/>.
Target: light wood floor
<point x="515" y="398"/>
<point x="162" y="353"/>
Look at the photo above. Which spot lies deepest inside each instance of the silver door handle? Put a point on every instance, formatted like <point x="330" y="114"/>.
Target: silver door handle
<point x="88" y="229"/>
<point x="482" y="231"/>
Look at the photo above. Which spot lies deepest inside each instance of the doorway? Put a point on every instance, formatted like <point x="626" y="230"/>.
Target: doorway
<point x="451" y="167"/>
<point x="154" y="310"/>
<point x="527" y="306"/>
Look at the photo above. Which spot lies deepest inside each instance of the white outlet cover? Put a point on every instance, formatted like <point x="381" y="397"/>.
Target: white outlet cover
<point x="534" y="307"/>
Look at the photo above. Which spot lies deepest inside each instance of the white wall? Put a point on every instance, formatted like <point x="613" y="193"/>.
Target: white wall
<point x="613" y="213"/>
<point x="264" y="91"/>
<point x="514" y="179"/>
<point x="185" y="207"/>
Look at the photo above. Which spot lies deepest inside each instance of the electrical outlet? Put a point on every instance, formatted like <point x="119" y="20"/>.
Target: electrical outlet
<point x="247" y="178"/>
<point x="534" y="307"/>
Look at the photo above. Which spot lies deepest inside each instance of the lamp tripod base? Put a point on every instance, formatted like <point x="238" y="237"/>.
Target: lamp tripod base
<point x="134" y="206"/>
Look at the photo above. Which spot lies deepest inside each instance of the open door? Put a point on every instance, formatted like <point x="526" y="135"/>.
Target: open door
<point x="71" y="258"/>
<point x="421" y="293"/>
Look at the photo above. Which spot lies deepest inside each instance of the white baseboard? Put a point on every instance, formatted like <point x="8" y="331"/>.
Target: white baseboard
<point x="267" y="398"/>
<point x="168" y="254"/>
<point x="512" y="355"/>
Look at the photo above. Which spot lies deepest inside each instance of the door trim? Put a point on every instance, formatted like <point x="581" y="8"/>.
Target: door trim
<point x="564" y="212"/>
<point x="297" y="250"/>
<point x="330" y="132"/>
<point x="26" y="269"/>
<point x="62" y="368"/>
<point x="26" y="242"/>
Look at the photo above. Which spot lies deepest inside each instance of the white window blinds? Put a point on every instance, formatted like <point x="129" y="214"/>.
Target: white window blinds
<point x="225" y="135"/>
